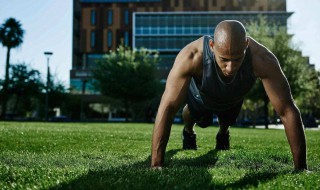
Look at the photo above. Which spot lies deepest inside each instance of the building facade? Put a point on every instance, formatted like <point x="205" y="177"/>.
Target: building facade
<point x="163" y="25"/>
<point x="169" y="32"/>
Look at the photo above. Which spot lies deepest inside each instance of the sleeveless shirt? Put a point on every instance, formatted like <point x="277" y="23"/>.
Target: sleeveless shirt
<point x="212" y="92"/>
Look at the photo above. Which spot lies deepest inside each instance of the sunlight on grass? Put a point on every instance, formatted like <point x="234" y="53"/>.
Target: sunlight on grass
<point x="117" y="156"/>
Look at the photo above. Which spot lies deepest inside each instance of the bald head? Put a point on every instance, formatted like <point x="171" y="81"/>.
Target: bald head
<point x="230" y="34"/>
<point x="229" y="46"/>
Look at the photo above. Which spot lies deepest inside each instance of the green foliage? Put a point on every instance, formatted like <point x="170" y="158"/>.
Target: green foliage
<point x="128" y="75"/>
<point x="11" y="33"/>
<point x="26" y="93"/>
<point x="117" y="156"/>
<point x="303" y="78"/>
<point x="11" y="36"/>
<point x="25" y="86"/>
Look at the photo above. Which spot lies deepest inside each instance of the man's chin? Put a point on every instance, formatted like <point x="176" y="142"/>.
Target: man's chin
<point x="229" y="75"/>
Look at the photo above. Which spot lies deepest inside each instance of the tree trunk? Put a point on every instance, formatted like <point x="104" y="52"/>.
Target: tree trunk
<point x="266" y="113"/>
<point x="17" y="103"/>
<point x="5" y="86"/>
<point x="126" y="108"/>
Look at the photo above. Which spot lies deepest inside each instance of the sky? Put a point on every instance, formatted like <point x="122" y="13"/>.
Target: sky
<point x="48" y="27"/>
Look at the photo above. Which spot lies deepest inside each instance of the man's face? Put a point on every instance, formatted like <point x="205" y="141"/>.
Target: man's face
<point x="229" y="59"/>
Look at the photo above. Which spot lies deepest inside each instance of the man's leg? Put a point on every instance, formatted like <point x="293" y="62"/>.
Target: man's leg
<point x="188" y="134"/>
<point x="189" y="122"/>
<point x="224" y="129"/>
<point x="223" y="138"/>
<point x="226" y="119"/>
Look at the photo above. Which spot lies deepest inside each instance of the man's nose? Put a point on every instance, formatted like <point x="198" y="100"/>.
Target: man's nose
<point x="230" y="66"/>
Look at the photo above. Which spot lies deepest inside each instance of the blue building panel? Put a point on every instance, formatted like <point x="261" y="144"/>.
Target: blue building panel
<point x="76" y="87"/>
<point x="171" y="31"/>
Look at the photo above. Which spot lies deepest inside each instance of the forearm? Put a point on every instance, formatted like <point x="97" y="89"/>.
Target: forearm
<point x="296" y="137"/>
<point x="161" y="134"/>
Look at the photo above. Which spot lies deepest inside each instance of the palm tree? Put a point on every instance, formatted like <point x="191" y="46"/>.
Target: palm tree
<point x="11" y="36"/>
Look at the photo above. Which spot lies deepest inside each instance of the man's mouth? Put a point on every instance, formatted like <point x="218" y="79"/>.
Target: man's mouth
<point x="228" y="74"/>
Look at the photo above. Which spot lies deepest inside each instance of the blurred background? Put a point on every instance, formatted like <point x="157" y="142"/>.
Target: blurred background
<point x="53" y="67"/>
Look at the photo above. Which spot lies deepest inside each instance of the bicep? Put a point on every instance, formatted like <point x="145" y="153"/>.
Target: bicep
<point x="177" y="84"/>
<point x="175" y="91"/>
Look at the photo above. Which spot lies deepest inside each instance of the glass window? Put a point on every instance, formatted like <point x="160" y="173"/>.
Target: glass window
<point x="176" y="3"/>
<point x="138" y="30"/>
<point x="126" y="38"/>
<point x="93" y="39"/>
<point x="170" y="30"/>
<point x="93" y="17"/>
<point x="162" y="30"/>
<point x="145" y="30"/>
<point x="126" y="17"/>
<point x="110" y="17"/>
<point x="154" y="30"/>
<point x="187" y="30"/>
<point x="179" y="30"/>
<point x="92" y="60"/>
<point x="109" y="38"/>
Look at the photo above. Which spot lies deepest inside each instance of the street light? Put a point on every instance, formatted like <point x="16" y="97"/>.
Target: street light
<point x="47" y="54"/>
<point x="84" y="81"/>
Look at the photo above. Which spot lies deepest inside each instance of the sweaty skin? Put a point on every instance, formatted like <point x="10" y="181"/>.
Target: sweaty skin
<point x="229" y="49"/>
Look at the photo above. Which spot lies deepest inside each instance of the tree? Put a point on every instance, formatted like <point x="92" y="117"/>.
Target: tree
<point x="26" y="92"/>
<point x="11" y="36"/>
<point x="25" y="87"/>
<point x="128" y="75"/>
<point x="302" y="77"/>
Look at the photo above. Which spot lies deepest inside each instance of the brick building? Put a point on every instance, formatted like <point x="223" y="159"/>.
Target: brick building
<point x="162" y="25"/>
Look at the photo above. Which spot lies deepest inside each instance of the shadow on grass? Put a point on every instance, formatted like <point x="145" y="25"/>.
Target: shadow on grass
<point x="179" y="174"/>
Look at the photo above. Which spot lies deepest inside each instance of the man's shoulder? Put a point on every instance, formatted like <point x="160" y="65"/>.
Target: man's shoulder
<point x="257" y="49"/>
<point x="190" y="57"/>
<point x="196" y="45"/>
<point x="193" y="50"/>
<point x="262" y="58"/>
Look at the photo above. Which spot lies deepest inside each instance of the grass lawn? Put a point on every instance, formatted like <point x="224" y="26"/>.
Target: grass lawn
<point x="117" y="156"/>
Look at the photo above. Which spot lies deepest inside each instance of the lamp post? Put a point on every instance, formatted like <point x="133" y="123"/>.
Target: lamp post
<point x="84" y="81"/>
<point x="48" y="55"/>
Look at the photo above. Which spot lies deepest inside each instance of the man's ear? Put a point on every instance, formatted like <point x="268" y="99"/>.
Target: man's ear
<point x="247" y="42"/>
<point x="211" y="44"/>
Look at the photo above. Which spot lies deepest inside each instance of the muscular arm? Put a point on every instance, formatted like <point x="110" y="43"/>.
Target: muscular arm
<point x="174" y="95"/>
<point x="278" y="91"/>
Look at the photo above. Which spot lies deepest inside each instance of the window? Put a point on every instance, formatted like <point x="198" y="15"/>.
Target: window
<point x="93" y="39"/>
<point x="110" y="17"/>
<point x="214" y="3"/>
<point x="126" y="38"/>
<point x="92" y="60"/>
<point x="176" y="3"/>
<point x="93" y="17"/>
<point x="109" y="38"/>
<point x="126" y="17"/>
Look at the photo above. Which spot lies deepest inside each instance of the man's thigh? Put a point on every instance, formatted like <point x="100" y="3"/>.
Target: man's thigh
<point x="229" y="117"/>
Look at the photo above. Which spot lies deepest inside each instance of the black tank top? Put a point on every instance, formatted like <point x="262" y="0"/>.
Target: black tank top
<point x="215" y="94"/>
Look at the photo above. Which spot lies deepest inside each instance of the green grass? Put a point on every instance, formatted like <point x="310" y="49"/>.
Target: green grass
<point x="117" y="156"/>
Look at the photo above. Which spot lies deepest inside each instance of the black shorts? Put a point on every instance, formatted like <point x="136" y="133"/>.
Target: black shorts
<point x="204" y="117"/>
